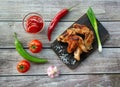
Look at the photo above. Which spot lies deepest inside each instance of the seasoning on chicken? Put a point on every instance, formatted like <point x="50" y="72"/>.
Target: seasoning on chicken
<point x="76" y="43"/>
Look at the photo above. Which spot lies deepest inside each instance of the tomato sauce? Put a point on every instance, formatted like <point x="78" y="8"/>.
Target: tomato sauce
<point x="34" y="23"/>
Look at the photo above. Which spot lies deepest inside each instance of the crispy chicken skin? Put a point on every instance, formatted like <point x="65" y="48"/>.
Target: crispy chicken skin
<point x="89" y="36"/>
<point x="75" y="42"/>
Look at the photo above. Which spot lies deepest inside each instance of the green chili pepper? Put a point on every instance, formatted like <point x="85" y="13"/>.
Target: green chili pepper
<point x="25" y="54"/>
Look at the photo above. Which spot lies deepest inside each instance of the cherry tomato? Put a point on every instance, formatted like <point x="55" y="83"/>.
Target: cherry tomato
<point x="23" y="66"/>
<point x="35" y="46"/>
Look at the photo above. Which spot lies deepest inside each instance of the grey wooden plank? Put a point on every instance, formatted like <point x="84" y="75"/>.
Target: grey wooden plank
<point x="106" y="62"/>
<point x="16" y="9"/>
<point x="62" y="81"/>
<point x="7" y="30"/>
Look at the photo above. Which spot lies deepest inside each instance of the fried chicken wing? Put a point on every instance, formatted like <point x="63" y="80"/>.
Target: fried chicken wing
<point x="77" y="54"/>
<point x="89" y="36"/>
<point x="72" y="44"/>
<point x="75" y="42"/>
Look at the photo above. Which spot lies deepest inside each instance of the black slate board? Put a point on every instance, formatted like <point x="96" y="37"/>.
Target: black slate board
<point x="61" y="48"/>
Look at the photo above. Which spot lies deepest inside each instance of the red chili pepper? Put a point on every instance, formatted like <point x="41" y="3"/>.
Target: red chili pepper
<point x="55" y="20"/>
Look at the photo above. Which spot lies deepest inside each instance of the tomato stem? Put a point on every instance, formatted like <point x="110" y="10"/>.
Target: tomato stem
<point x="33" y="46"/>
<point x="21" y="67"/>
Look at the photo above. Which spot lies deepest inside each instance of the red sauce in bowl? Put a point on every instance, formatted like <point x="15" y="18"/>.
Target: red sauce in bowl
<point x="33" y="23"/>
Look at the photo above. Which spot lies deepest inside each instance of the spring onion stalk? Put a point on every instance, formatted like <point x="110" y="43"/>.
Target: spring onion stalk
<point x="93" y="21"/>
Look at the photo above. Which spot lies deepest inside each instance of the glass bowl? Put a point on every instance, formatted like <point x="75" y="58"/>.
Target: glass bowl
<point x="33" y="23"/>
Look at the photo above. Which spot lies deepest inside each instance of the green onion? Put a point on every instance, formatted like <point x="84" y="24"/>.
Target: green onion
<point x="93" y="21"/>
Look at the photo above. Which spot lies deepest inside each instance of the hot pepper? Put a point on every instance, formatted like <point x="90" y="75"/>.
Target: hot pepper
<point x="25" y="54"/>
<point x="56" y="19"/>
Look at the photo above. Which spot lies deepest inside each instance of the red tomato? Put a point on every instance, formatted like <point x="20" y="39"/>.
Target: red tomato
<point x="35" y="46"/>
<point x="23" y="66"/>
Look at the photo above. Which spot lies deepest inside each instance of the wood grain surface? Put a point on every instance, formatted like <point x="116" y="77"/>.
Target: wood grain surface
<point x="98" y="70"/>
<point x="62" y="81"/>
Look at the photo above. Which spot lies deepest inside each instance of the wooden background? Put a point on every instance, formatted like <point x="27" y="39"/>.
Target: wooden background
<point x="98" y="70"/>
